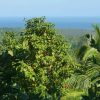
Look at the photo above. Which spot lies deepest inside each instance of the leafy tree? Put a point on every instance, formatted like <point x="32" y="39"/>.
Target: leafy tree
<point x="37" y="65"/>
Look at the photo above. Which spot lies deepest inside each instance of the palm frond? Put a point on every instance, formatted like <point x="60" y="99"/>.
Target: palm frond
<point x="97" y="36"/>
<point x="90" y="53"/>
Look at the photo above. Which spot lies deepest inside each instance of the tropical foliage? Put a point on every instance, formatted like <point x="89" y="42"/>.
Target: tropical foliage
<point x="39" y="64"/>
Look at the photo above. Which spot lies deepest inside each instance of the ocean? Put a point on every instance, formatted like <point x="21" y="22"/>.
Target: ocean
<point x="68" y="23"/>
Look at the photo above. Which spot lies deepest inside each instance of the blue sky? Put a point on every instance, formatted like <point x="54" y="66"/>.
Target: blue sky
<point x="50" y="8"/>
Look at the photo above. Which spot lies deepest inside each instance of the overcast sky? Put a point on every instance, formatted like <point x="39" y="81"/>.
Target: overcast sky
<point x="50" y="8"/>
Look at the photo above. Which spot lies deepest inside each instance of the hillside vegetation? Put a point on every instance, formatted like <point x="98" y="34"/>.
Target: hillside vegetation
<point x="40" y="64"/>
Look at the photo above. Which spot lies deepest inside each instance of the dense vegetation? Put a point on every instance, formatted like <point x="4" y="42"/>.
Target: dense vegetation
<point x="40" y="64"/>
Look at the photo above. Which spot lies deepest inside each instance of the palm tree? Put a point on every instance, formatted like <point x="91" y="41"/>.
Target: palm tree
<point x="91" y="54"/>
<point x="92" y="50"/>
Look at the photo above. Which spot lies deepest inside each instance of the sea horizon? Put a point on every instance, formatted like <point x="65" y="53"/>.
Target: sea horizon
<point x="60" y="22"/>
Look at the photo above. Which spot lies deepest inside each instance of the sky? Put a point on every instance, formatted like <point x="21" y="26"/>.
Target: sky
<point x="50" y="8"/>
